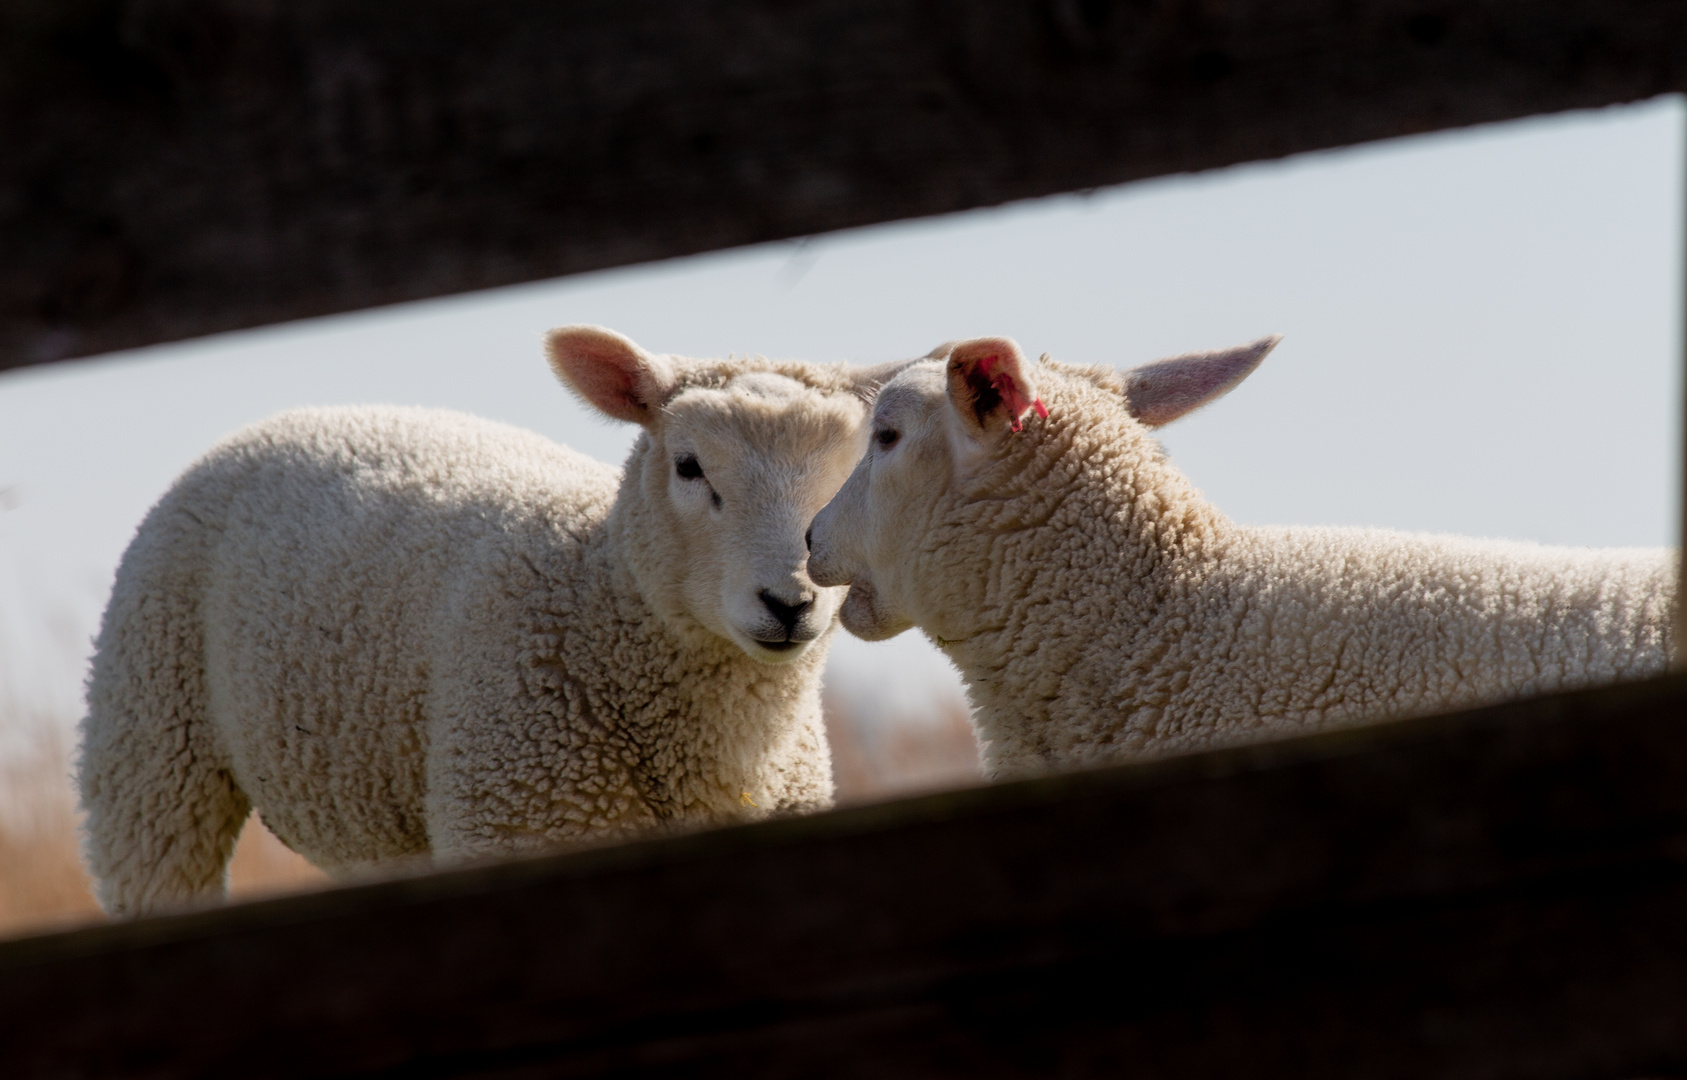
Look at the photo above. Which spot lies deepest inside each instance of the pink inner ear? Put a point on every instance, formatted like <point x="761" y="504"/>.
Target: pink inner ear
<point x="606" y="378"/>
<point x="1005" y="385"/>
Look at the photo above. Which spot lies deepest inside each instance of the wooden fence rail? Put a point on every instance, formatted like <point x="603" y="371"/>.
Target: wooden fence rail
<point x="171" y="168"/>
<point x="1499" y="893"/>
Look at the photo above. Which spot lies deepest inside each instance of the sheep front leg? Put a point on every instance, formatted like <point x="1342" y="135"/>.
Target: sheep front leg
<point x="801" y="772"/>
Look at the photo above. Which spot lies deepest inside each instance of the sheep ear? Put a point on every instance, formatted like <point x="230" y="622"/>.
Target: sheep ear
<point x="989" y="386"/>
<point x="1160" y="392"/>
<point x="612" y="374"/>
<point x="869" y="379"/>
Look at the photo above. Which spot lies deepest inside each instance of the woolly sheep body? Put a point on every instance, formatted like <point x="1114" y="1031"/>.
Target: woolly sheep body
<point x="405" y="633"/>
<point x="1306" y="628"/>
<point x="1100" y="609"/>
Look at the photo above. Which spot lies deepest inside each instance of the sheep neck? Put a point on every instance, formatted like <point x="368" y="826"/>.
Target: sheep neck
<point x="684" y="696"/>
<point x="1087" y="540"/>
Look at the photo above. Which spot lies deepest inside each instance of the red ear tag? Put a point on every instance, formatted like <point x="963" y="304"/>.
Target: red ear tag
<point x="1005" y="385"/>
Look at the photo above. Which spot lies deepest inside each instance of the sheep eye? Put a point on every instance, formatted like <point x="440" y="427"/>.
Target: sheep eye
<point x="687" y="468"/>
<point x="886" y="437"/>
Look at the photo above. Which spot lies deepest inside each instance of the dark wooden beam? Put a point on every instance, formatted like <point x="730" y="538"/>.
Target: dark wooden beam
<point x="1501" y="893"/>
<point x="170" y="168"/>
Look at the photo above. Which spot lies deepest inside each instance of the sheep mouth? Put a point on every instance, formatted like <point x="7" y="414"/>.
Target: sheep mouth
<point x="782" y="650"/>
<point x="778" y="641"/>
<point x="784" y="642"/>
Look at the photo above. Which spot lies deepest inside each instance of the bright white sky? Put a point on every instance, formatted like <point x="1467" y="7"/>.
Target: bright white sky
<point x="1481" y="337"/>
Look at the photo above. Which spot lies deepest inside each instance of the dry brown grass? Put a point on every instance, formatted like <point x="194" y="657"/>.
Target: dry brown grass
<point x="41" y="878"/>
<point x="43" y="885"/>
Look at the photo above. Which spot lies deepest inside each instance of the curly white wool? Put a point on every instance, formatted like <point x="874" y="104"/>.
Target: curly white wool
<point x="1100" y="609"/>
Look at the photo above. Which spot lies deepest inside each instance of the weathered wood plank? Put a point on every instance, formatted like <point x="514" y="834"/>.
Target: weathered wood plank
<point x="171" y="168"/>
<point x="1495" y="894"/>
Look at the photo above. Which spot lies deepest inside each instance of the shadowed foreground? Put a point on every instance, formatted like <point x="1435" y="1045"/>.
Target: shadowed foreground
<point x="1494" y="893"/>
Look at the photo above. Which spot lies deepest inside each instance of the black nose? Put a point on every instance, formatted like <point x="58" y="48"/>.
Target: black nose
<point x="787" y="614"/>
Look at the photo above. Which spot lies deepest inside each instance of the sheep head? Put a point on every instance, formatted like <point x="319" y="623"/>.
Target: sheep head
<point x="945" y="432"/>
<point x="735" y="459"/>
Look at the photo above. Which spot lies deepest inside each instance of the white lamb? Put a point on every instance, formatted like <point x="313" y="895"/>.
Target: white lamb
<point x="406" y="632"/>
<point x="1100" y="609"/>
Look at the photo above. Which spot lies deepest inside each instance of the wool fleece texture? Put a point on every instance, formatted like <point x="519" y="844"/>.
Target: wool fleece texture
<point x="406" y="633"/>
<point x="1101" y="610"/>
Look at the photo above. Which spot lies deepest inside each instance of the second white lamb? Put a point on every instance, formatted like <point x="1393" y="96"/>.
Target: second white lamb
<point x="1100" y="609"/>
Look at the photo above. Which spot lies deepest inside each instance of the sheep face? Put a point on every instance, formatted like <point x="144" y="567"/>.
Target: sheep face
<point x="935" y="425"/>
<point x="725" y="480"/>
<point x="883" y="508"/>
<point x="746" y="468"/>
